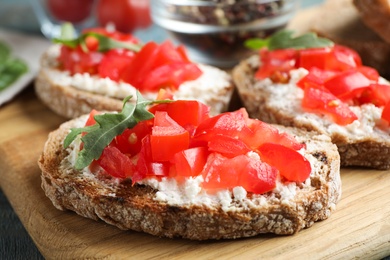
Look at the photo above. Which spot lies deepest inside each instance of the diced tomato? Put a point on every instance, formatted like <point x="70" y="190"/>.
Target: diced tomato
<point x="168" y="137"/>
<point x="386" y="112"/>
<point x="130" y="141"/>
<point x="114" y="63"/>
<point x="91" y="117"/>
<point x="345" y="84"/>
<point x="119" y="36"/>
<point x="315" y="78"/>
<point x="190" y="162"/>
<point x="142" y="64"/>
<point x="184" y="112"/>
<point x="228" y="146"/>
<point x="258" y="177"/>
<point x="242" y="170"/>
<point x="266" y="133"/>
<point x="322" y="101"/>
<point x="377" y="94"/>
<point x="314" y="58"/>
<point x="369" y="72"/>
<point x="116" y="163"/>
<point x="170" y="76"/>
<point x="343" y="58"/>
<point x="229" y="123"/>
<point x="213" y="176"/>
<point x="281" y="60"/>
<point x="77" y="61"/>
<point x="146" y="166"/>
<point x="291" y="164"/>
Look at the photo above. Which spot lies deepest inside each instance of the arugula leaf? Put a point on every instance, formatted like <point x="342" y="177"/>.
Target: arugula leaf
<point x="284" y="39"/>
<point x="69" y="38"/>
<point x="108" y="126"/>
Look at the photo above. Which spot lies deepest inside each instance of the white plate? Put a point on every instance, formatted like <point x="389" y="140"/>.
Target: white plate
<point x="28" y="48"/>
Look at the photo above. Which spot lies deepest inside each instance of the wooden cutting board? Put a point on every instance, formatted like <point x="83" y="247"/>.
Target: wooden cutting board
<point x="360" y="227"/>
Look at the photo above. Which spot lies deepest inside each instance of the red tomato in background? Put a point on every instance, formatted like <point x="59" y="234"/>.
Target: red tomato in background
<point x="73" y="11"/>
<point x="126" y="15"/>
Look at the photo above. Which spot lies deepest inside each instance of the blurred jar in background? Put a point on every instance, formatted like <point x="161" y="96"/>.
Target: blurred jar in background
<point x="123" y="15"/>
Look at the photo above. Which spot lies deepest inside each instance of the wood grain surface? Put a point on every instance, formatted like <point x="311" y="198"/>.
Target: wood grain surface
<point x="360" y="227"/>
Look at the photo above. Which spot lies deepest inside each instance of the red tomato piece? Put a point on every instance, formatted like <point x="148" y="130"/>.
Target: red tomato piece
<point x="228" y="146"/>
<point x="77" y="61"/>
<point x="258" y="177"/>
<point x="130" y="141"/>
<point x="217" y="176"/>
<point x="190" y="162"/>
<point x="369" y="72"/>
<point x="146" y="166"/>
<point x="386" y="112"/>
<point x="170" y="76"/>
<point x="291" y="164"/>
<point x="314" y="58"/>
<point x="322" y="101"/>
<point x="114" y="63"/>
<point x="266" y="133"/>
<point x="91" y="118"/>
<point x="73" y="11"/>
<point x="343" y="58"/>
<point x="184" y="112"/>
<point x="377" y="94"/>
<point x="116" y="163"/>
<point x="281" y="60"/>
<point x="168" y="137"/>
<point x="228" y="123"/>
<point x="141" y="64"/>
<point x="346" y="84"/>
<point x="315" y="78"/>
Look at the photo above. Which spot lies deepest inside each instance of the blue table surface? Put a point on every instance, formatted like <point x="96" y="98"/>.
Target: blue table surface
<point x="15" y="242"/>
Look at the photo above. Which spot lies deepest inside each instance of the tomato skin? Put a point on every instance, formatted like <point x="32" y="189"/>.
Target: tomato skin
<point x="116" y="163"/>
<point x="291" y="164"/>
<point x="322" y="101"/>
<point x="184" y="112"/>
<point x="314" y="57"/>
<point x="344" y="84"/>
<point x="168" y="137"/>
<point x="190" y="162"/>
<point x="170" y="76"/>
<point x="377" y="94"/>
<point x="242" y="170"/>
<point x="114" y="63"/>
<point x="73" y="11"/>
<point x="78" y="61"/>
<point x="386" y="112"/>
<point x="282" y="60"/>
<point x="130" y="141"/>
<point x="227" y="146"/>
<point x="316" y="78"/>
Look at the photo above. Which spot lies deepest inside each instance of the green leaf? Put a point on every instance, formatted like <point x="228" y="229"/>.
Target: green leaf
<point x="284" y="39"/>
<point x="108" y="126"/>
<point x="69" y="38"/>
<point x="11" y="68"/>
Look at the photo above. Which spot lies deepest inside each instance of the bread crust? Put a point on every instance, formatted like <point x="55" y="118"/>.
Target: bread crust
<point x="53" y="88"/>
<point x="370" y="149"/>
<point x="136" y="208"/>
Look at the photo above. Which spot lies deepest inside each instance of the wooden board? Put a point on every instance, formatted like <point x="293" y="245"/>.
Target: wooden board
<point x="360" y="227"/>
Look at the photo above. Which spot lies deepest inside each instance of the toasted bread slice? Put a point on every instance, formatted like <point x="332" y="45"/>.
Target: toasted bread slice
<point x="72" y="96"/>
<point x="365" y="142"/>
<point x="289" y="208"/>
